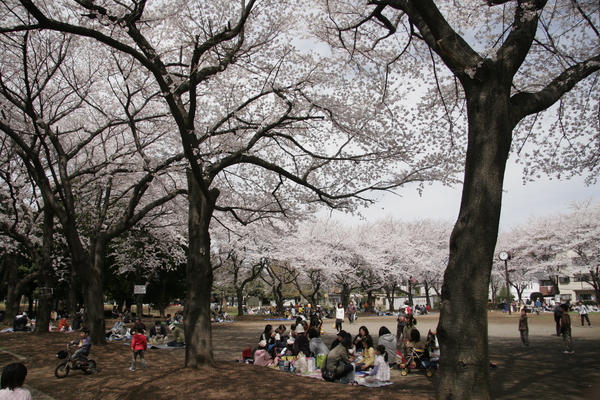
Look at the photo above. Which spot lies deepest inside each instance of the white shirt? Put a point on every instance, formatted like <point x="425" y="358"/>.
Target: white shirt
<point x="339" y="313"/>
<point x="18" y="393"/>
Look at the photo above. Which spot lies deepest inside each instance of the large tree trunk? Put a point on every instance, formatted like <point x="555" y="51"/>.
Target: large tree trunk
<point x="199" y="278"/>
<point x="239" y="293"/>
<point x="45" y="278"/>
<point x="15" y="289"/>
<point x="463" y="329"/>
<point x="72" y="295"/>
<point x="92" y="282"/>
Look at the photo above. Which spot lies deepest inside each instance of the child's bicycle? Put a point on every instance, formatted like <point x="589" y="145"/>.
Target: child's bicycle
<point x="62" y="370"/>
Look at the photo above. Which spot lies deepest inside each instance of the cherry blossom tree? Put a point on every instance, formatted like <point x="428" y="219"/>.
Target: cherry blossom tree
<point x="253" y="115"/>
<point x="506" y="62"/>
<point x="92" y="176"/>
<point x="238" y="258"/>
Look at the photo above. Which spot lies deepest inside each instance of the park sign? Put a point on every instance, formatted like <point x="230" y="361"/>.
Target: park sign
<point x="139" y="289"/>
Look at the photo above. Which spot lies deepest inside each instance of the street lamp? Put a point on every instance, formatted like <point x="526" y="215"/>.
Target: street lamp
<point x="505" y="256"/>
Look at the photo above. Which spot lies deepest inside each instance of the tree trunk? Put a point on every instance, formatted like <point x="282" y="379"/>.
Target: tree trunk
<point x="199" y="278"/>
<point x="279" y="298"/>
<point x="161" y="300"/>
<point x="45" y="279"/>
<point x="410" y="291"/>
<point x="72" y="294"/>
<point x="463" y="329"/>
<point x="92" y="282"/>
<point x="239" y="293"/>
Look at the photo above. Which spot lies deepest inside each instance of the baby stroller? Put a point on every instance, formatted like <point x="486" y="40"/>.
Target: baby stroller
<point x="423" y="359"/>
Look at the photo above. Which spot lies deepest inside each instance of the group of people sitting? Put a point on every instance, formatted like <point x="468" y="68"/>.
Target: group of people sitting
<point x="158" y="333"/>
<point x="342" y="358"/>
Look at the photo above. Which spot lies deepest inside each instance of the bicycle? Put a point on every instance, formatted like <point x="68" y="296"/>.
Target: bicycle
<point x="62" y="370"/>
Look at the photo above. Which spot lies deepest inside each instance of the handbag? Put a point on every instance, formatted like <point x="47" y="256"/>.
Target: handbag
<point x="327" y="375"/>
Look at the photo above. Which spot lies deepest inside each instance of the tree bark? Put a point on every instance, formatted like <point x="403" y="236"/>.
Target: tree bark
<point x="199" y="278"/>
<point x="92" y="282"/>
<point x="464" y="367"/>
<point x="45" y="270"/>
<point x="15" y="289"/>
<point x="239" y="293"/>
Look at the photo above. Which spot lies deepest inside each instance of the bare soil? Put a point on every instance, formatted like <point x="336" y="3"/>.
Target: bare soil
<point x="538" y="371"/>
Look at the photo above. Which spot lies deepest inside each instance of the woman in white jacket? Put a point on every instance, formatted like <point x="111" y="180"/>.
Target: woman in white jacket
<point x="339" y="316"/>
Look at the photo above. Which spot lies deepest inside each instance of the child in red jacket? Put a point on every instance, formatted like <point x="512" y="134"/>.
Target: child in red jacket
<point x="138" y="346"/>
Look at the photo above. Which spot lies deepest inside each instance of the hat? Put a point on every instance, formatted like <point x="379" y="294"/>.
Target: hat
<point x="341" y="333"/>
<point x="299" y="329"/>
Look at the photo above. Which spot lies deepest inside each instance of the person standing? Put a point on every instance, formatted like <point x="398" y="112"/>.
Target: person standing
<point x="524" y="328"/>
<point x="401" y="319"/>
<point x="138" y="346"/>
<point x="339" y="316"/>
<point x="583" y="311"/>
<point x="351" y="312"/>
<point x="565" y="329"/>
<point x="557" y="314"/>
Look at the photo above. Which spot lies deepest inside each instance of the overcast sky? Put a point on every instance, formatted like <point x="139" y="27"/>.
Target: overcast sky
<point x="543" y="197"/>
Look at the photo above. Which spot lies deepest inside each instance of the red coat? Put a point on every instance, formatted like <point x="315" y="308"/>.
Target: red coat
<point x="139" y="342"/>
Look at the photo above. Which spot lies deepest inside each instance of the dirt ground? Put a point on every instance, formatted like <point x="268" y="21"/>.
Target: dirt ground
<point x="538" y="371"/>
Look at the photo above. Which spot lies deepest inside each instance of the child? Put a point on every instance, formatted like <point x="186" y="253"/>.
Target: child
<point x="63" y="325"/>
<point x="84" y="345"/>
<point x="381" y="369"/>
<point x="565" y="329"/>
<point x="524" y="328"/>
<point x="368" y="354"/>
<point x="13" y="378"/>
<point x="138" y="346"/>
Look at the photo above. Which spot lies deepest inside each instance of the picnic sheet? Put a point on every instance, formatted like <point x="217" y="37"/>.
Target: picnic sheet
<point x="316" y="374"/>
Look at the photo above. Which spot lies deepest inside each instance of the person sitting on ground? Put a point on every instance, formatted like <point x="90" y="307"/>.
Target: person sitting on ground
<point x="301" y="344"/>
<point x="11" y="382"/>
<point x="387" y="339"/>
<point x="77" y="322"/>
<point x="126" y="316"/>
<point x="381" y="369"/>
<point x="281" y="339"/>
<point x="293" y="334"/>
<point x="340" y="335"/>
<point x="368" y="354"/>
<point x="339" y="361"/>
<point x="20" y="323"/>
<point x="304" y="325"/>
<point x="118" y="330"/>
<point x="63" y="324"/>
<point x="363" y="332"/>
<point x="178" y="336"/>
<point x="261" y="355"/>
<point x="316" y="345"/>
<point x="268" y="336"/>
<point x="158" y="332"/>
<point x="138" y="322"/>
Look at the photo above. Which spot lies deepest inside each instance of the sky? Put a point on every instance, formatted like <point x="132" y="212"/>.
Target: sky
<point x="543" y="197"/>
